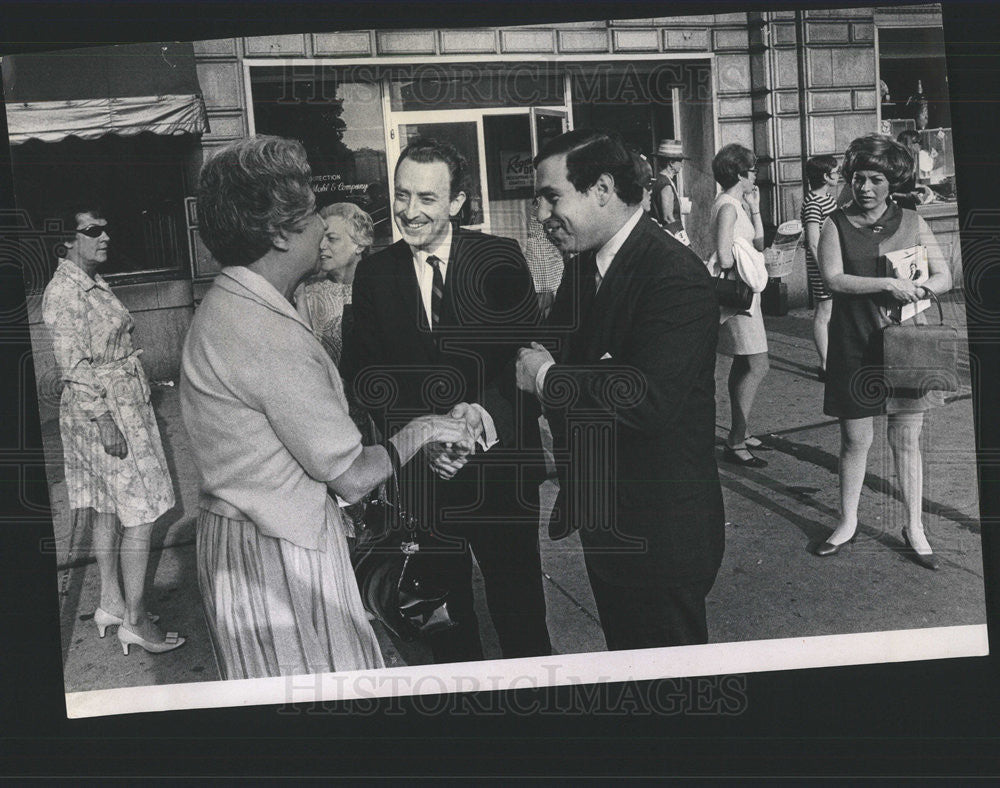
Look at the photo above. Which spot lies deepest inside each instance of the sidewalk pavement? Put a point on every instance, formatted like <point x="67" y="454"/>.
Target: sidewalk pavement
<point x="769" y="586"/>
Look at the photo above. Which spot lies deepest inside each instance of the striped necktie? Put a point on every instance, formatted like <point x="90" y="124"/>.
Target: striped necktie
<point x="437" y="290"/>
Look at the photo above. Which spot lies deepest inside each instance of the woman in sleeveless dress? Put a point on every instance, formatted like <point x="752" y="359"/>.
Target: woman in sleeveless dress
<point x="736" y="214"/>
<point x="852" y="243"/>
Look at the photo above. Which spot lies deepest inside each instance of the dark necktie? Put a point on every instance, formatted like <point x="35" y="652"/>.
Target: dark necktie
<point x="437" y="290"/>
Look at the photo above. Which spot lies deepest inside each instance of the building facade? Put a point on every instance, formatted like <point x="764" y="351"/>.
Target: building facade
<point x="787" y="84"/>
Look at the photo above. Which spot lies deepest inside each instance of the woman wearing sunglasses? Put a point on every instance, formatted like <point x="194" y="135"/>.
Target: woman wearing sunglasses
<point x="115" y="468"/>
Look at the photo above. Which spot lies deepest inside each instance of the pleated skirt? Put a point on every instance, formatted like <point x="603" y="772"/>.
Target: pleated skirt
<point x="276" y="609"/>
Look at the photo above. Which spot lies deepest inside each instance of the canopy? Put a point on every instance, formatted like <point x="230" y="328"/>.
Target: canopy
<point x="88" y="93"/>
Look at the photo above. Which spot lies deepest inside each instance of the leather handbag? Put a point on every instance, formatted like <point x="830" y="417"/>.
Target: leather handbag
<point x="732" y="291"/>
<point x="921" y="358"/>
<point x="392" y="574"/>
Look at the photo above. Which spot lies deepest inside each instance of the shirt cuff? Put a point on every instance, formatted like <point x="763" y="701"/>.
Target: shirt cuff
<point x="489" y="437"/>
<point x="540" y="377"/>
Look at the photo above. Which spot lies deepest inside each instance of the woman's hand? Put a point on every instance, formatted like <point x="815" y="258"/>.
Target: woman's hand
<point x="447" y="433"/>
<point x="752" y="200"/>
<point x="449" y="449"/>
<point x="903" y="290"/>
<point x="451" y="432"/>
<point x="111" y="437"/>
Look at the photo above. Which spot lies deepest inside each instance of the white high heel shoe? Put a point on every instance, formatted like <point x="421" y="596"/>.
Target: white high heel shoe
<point x="104" y="619"/>
<point x="128" y="638"/>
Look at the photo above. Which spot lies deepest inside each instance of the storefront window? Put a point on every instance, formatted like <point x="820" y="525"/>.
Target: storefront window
<point x="634" y="99"/>
<point x="472" y="86"/>
<point x="914" y="95"/>
<point x="914" y="78"/>
<point x="137" y="180"/>
<point x="337" y="115"/>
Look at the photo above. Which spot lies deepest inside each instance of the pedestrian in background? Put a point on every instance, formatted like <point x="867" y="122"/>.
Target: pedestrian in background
<point x="822" y="175"/>
<point x="324" y="300"/>
<point x="115" y="467"/>
<point x="666" y="195"/>
<point x="736" y="215"/>
<point x="545" y="262"/>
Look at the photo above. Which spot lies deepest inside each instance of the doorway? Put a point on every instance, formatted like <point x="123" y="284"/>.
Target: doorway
<point x="499" y="145"/>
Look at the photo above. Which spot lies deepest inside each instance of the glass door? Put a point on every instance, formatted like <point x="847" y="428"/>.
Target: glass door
<point x="498" y="145"/>
<point x="546" y="124"/>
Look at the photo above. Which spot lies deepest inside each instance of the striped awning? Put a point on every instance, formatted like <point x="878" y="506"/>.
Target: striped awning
<point x="88" y="93"/>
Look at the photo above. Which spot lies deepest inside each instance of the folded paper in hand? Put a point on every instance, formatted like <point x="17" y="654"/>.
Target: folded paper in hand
<point x="909" y="263"/>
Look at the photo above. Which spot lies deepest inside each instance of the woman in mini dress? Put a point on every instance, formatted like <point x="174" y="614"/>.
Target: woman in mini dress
<point x="736" y="214"/>
<point x="851" y="248"/>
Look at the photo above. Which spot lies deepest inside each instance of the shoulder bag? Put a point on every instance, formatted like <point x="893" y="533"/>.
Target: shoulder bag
<point x="732" y="291"/>
<point x="391" y="572"/>
<point x="921" y="357"/>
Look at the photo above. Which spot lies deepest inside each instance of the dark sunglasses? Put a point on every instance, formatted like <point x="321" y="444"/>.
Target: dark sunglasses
<point x="94" y="230"/>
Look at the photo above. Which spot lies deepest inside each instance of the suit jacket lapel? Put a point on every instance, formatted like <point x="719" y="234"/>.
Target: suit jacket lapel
<point x="455" y="269"/>
<point x="408" y="294"/>
<point x="615" y="281"/>
<point x="578" y="280"/>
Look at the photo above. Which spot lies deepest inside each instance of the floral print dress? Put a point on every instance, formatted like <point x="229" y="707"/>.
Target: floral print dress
<point x="101" y="373"/>
<point x="323" y="305"/>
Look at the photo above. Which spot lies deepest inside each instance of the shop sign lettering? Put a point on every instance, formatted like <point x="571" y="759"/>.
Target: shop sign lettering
<point x="516" y="170"/>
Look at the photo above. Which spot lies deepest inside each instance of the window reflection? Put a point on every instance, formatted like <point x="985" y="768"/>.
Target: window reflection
<point x="337" y="115"/>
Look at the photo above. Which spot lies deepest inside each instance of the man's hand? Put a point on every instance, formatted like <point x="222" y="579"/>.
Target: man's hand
<point x="529" y="361"/>
<point x="111" y="437"/>
<point x="463" y="410"/>
<point x="447" y="459"/>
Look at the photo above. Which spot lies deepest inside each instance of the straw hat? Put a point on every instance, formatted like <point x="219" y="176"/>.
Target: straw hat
<point x="670" y="149"/>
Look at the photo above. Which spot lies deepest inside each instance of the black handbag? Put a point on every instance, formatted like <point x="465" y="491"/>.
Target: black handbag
<point x="392" y="574"/>
<point x="732" y="291"/>
<point x="921" y="357"/>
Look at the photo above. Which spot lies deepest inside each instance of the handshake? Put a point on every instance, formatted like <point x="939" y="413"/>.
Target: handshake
<point x="453" y="439"/>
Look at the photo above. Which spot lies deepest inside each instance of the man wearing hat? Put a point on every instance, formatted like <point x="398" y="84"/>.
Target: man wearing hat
<point x="666" y="199"/>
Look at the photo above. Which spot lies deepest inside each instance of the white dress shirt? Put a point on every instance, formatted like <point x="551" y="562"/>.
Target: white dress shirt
<point x="604" y="257"/>
<point x="425" y="281"/>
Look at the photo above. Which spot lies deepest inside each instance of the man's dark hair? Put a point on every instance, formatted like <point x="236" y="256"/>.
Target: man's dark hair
<point x="589" y="154"/>
<point x="817" y="168"/>
<point x="427" y="149"/>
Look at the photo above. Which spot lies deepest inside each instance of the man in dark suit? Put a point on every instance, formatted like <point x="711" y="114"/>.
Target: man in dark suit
<point x="630" y="397"/>
<point x="438" y="319"/>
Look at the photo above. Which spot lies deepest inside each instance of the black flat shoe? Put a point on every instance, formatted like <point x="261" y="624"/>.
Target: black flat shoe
<point x="755" y="443"/>
<point x="926" y="560"/>
<point x="828" y="548"/>
<point x="729" y="455"/>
